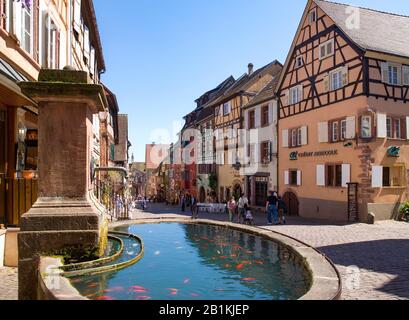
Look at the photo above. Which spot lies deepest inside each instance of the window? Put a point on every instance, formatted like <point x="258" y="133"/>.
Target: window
<point x="336" y="80"/>
<point x="293" y="178"/>
<point x="264" y="116"/>
<point x="299" y="137"/>
<point x="27" y="28"/>
<point x="335" y="131"/>
<point x="334" y="175"/>
<point x="226" y="108"/>
<point x="394" y="128"/>
<point x="366" y="127"/>
<point x="265" y="152"/>
<point x="294" y="138"/>
<point x="343" y="130"/>
<point x="393" y="75"/>
<point x="296" y="94"/>
<point x="312" y="16"/>
<point x="397" y="128"/>
<point x="50" y="44"/>
<point x="326" y="49"/>
<point x="252" y="119"/>
<point x="299" y="62"/>
<point x="393" y="176"/>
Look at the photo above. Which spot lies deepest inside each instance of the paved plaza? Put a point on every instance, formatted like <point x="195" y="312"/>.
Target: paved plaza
<point x="373" y="259"/>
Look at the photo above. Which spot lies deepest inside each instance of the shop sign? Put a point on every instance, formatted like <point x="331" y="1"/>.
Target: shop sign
<point x="296" y="155"/>
<point x="393" y="151"/>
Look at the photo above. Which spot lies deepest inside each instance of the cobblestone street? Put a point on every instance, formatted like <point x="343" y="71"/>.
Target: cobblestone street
<point x="8" y="284"/>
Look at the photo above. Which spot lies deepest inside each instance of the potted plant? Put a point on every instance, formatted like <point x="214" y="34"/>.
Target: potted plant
<point x="404" y="211"/>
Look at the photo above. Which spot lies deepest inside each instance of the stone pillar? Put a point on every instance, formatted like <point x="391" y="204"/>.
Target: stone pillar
<point x="64" y="217"/>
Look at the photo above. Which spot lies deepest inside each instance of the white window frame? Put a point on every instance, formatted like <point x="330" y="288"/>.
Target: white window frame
<point x="27" y="11"/>
<point x="299" y="137"/>
<point x="295" y="94"/>
<point x="391" y="74"/>
<point x="362" y="127"/>
<point x="336" y="79"/>
<point x="395" y="128"/>
<point x="294" y="137"/>
<point x="389" y="127"/>
<point x="327" y="53"/>
<point x="228" y="110"/>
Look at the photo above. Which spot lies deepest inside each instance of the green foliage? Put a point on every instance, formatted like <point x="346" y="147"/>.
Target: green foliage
<point x="76" y="254"/>
<point x="404" y="210"/>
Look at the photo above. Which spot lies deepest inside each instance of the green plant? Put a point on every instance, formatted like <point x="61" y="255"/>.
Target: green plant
<point x="404" y="211"/>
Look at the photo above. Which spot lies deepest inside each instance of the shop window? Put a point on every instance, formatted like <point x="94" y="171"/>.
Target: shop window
<point x="394" y="176"/>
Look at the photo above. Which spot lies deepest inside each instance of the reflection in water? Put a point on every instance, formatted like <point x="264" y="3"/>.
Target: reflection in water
<point x="188" y="262"/>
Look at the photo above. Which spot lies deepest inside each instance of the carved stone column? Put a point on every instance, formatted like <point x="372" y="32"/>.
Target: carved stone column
<point x="64" y="217"/>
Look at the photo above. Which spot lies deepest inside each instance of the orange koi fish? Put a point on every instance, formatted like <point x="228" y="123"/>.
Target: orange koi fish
<point x="195" y="295"/>
<point x="240" y="266"/>
<point x="143" y="298"/>
<point x="248" y="279"/>
<point x="259" y="262"/>
<point x="105" y="298"/>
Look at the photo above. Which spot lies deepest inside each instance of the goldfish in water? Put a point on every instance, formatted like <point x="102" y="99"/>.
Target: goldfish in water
<point x="248" y="279"/>
<point x="259" y="262"/>
<point x="143" y="298"/>
<point x="195" y="295"/>
<point x="186" y="281"/>
<point x="105" y="298"/>
<point x="240" y="266"/>
<point x="227" y="266"/>
<point x="115" y="289"/>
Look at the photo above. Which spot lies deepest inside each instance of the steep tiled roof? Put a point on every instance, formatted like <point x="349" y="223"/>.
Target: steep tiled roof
<point x="244" y="82"/>
<point x="378" y="31"/>
<point x="266" y="94"/>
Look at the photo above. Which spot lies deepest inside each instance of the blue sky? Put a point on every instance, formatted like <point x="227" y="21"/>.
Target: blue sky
<point x="163" y="54"/>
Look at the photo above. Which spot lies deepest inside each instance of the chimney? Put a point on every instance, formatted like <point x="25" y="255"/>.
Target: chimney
<point x="251" y="68"/>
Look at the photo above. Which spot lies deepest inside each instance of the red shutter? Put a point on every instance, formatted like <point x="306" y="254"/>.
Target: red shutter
<point x="36" y="26"/>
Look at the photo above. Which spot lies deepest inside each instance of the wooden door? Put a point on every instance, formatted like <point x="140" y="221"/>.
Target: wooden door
<point x="292" y="203"/>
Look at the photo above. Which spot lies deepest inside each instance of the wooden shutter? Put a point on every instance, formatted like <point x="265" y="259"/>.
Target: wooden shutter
<point x="323" y="134"/>
<point x="321" y="175"/>
<point x="385" y="72"/>
<point x="346" y="175"/>
<point x="285" y="138"/>
<point x="345" y="76"/>
<point x="407" y="128"/>
<point x="17" y="25"/>
<point x="405" y="75"/>
<point x="299" y="178"/>
<point x="258" y="117"/>
<point x="286" y="177"/>
<point x="351" y="128"/>
<point x="377" y="176"/>
<point x="326" y="83"/>
<point x="3" y="14"/>
<point x="300" y="89"/>
<point x="381" y="125"/>
<point x="36" y="30"/>
<point x="399" y="67"/>
<point x="77" y="15"/>
<point x="304" y="136"/>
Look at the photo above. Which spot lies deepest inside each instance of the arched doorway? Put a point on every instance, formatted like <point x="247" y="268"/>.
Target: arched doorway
<point x="202" y="195"/>
<point x="237" y="191"/>
<point x="292" y="203"/>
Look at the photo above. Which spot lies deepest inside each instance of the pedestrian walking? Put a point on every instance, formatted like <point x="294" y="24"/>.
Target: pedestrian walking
<point x="249" y="219"/>
<point x="183" y="202"/>
<point x="193" y="207"/>
<point x="272" y="208"/>
<point x="243" y="203"/>
<point x="232" y="206"/>
<point x="282" y="210"/>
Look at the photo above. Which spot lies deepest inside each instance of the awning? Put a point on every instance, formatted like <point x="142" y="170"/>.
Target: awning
<point x="10" y="92"/>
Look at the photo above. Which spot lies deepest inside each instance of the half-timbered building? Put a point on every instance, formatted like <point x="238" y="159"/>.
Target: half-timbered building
<point x="344" y="116"/>
<point x="228" y="121"/>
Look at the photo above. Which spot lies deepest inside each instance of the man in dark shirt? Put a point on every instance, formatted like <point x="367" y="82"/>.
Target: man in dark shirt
<point x="272" y="208"/>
